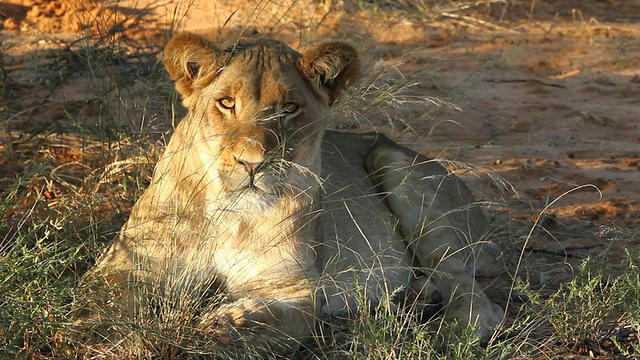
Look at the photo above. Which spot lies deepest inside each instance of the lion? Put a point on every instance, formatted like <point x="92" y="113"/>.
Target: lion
<point x="257" y="221"/>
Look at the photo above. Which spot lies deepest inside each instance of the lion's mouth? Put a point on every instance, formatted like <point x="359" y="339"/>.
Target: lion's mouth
<point x="254" y="190"/>
<point x="264" y="183"/>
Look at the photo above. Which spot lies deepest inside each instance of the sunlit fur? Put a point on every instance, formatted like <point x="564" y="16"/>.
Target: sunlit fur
<point x="249" y="231"/>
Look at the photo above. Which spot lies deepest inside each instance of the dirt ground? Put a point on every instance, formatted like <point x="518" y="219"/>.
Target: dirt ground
<point x="547" y="96"/>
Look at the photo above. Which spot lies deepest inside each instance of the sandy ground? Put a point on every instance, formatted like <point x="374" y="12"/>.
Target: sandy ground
<point x="549" y="97"/>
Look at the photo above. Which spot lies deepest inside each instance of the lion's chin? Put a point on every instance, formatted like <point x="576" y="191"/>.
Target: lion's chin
<point x="253" y="199"/>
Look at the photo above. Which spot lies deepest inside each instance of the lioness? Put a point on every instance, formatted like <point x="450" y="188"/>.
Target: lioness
<point x="260" y="221"/>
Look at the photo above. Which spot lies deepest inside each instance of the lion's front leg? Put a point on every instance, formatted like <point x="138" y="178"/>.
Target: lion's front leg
<point x="436" y="220"/>
<point x="265" y="325"/>
<point x="465" y="299"/>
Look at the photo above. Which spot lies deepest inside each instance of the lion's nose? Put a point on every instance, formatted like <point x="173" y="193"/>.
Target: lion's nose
<point x="250" y="167"/>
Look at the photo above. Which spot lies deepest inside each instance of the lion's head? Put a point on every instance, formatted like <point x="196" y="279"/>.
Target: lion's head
<point x="259" y="108"/>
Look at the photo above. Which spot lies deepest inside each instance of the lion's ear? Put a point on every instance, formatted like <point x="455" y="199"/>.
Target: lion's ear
<point x="332" y="67"/>
<point x="191" y="62"/>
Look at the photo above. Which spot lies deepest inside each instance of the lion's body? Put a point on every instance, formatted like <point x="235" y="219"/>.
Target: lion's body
<point x="265" y="222"/>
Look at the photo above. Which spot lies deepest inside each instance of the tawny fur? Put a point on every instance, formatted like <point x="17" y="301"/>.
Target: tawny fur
<point x="247" y="201"/>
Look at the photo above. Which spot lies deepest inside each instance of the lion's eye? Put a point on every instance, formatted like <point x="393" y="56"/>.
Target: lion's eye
<point x="227" y="103"/>
<point x="290" y="108"/>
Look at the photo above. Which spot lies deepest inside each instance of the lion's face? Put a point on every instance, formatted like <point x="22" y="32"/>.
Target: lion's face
<point x="259" y="108"/>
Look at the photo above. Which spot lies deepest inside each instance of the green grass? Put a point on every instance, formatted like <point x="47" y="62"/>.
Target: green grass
<point x="596" y="305"/>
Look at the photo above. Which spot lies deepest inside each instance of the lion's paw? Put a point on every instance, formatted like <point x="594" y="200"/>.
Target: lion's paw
<point x="482" y="316"/>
